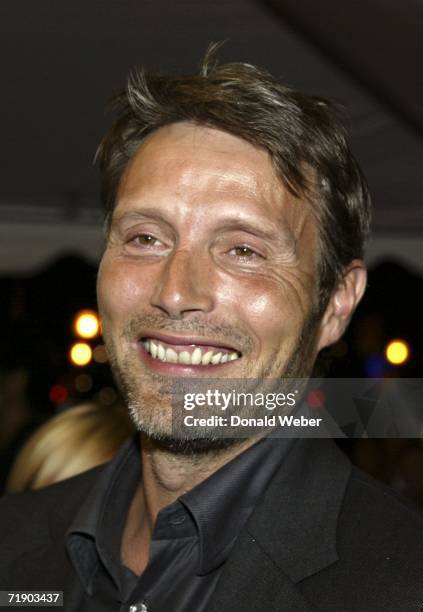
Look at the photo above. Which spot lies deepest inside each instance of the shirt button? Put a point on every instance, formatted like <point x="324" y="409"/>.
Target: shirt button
<point x="138" y="608"/>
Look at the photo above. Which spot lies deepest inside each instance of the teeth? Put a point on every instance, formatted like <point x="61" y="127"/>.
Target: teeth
<point x="196" y="356"/>
<point x="153" y="348"/>
<point x="184" y="357"/>
<point x="158" y="351"/>
<point x="207" y="358"/>
<point x="161" y="353"/>
<point x="216" y="358"/>
<point x="171" y="356"/>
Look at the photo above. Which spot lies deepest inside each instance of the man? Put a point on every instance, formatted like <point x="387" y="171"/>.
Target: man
<point x="236" y="217"/>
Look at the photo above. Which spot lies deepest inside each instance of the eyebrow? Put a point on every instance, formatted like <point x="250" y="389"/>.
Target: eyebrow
<point x="145" y="213"/>
<point x="136" y="214"/>
<point x="244" y="225"/>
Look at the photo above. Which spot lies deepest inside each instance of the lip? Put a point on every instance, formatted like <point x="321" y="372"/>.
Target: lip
<point x="176" y="369"/>
<point x="188" y="341"/>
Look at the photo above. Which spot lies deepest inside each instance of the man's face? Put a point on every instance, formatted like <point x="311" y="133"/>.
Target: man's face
<point x="209" y="270"/>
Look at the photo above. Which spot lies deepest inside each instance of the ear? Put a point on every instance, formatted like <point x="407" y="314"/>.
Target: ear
<point x="342" y="303"/>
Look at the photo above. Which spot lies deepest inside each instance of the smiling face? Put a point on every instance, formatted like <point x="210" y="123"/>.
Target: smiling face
<point x="209" y="269"/>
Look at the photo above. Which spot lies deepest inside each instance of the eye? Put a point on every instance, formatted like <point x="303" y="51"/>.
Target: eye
<point x="244" y="252"/>
<point x="144" y="240"/>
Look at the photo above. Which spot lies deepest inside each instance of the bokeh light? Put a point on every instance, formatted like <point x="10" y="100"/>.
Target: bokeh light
<point x="58" y="394"/>
<point x="375" y="365"/>
<point x="86" y="324"/>
<point x="100" y="354"/>
<point x="316" y="398"/>
<point x="80" y="353"/>
<point x="107" y="396"/>
<point x="397" y="352"/>
<point x="83" y="383"/>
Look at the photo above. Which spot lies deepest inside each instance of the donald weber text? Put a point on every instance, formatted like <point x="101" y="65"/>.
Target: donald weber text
<point x="237" y="421"/>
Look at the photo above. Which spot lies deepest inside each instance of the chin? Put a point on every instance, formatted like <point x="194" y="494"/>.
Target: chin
<point x="166" y="433"/>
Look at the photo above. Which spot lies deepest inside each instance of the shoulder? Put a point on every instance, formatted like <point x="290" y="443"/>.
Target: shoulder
<point x="379" y="547"/>
<point x="75" y="485"/>
<point x="32" y="528"/>
<point x="22" y="513"/>
<point x="390" y="523"/>
<point x="378" y="560"/>
<point x="377" y="511"/>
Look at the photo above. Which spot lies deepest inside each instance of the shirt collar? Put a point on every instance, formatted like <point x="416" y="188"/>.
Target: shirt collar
<point x="222" y="504"/>
<point x="123" y="472"/>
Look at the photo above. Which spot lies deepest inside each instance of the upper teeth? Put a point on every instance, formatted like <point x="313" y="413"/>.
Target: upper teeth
<point x="198" y="356"/>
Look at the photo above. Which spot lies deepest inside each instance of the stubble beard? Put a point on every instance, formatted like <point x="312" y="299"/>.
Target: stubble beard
<point x="148" y="395"/>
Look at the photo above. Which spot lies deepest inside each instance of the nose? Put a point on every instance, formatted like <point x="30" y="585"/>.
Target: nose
<point x="184" y="285"/>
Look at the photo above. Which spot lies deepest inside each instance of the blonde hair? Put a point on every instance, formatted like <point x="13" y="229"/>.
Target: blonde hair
<point x="70" y="443"/>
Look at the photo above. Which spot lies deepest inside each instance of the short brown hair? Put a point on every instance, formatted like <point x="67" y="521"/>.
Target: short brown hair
<point x="300" y="132"/>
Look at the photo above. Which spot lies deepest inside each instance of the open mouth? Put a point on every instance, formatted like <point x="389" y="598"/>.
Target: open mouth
<point x="189" y="354"/>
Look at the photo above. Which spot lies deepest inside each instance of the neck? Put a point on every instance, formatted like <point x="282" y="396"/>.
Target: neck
<point x="166" y="475"/>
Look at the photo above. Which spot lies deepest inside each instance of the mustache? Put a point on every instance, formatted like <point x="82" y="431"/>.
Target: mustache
<point x="211" y="329"/>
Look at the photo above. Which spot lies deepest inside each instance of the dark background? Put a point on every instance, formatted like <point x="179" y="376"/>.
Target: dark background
<point x="59" y="64"/>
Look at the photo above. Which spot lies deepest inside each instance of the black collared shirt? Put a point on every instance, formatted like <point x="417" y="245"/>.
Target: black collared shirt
<point x="191" y="541"/>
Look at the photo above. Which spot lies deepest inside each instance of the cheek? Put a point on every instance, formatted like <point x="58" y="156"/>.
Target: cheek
<point x="261" y="307"/>
<point x="120" y="290"/>
<point x="266" y="312"/>
<point x="271" y="315"/>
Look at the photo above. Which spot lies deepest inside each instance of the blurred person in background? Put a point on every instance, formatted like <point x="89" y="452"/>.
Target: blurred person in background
<point x="17" y="419"/>
<point x="77" y="439"/>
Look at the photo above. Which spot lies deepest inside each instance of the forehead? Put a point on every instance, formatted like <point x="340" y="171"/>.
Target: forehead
<point x="184" y="147"/>
<point x="200" y="165"/>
